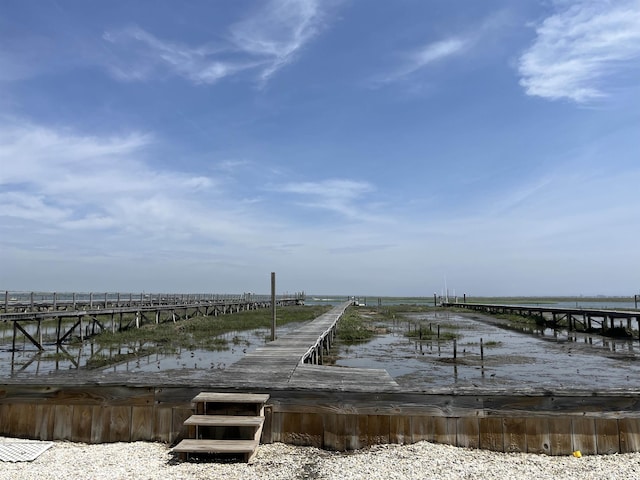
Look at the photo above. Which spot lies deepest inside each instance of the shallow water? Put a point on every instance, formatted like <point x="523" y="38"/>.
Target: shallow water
<point x="542" y="358"/>
<point x="28" y="361"/>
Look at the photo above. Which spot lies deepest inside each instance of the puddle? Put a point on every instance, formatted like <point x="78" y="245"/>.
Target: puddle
<point x="511" y="358"/>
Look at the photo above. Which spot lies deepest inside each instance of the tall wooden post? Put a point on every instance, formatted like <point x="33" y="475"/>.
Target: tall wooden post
<point x="273" y="306"/>
<point x="6" y="301"/>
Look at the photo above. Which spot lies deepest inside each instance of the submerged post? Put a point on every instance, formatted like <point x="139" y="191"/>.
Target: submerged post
<point x="273" y="306"/>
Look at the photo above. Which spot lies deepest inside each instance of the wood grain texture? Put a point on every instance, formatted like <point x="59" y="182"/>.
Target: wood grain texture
<point x="629" y="429"/>
<point x="515" y="434"/>
<point x="607" y="436"/>
<point x="468" y="432"/>
<point x="538" y="435"/>
<point x="560" y="436"/>
<point x="491" y="433"/>
<point x="584" y="435"/>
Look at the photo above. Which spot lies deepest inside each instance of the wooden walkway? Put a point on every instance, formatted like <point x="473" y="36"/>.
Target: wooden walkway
<point x="116" y="313"/>
<point x="295" y="361"/>
<point x="582" y="319"/>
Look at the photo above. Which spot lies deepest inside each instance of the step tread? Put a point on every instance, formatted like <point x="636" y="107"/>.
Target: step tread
<point x="212" y="397"/>
<point x="216" y="446"/>
<point x="224" y="421"/>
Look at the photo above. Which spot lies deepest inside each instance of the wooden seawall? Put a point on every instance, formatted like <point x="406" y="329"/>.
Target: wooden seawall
<point x="327" y="407"/>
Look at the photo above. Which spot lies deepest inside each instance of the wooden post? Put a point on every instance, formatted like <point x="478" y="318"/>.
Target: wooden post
<point x="481" y="350"/>
<point x="32" y="301"/>
<point x="438" y="331"/>
<point x="74" y="300"/>
<point x="6" y="301"/>
<point x="91" y="300"/>
<point x="455" y="348"/>
<point x="435" y="300"/>
<point x="273" y="306"/>
<point x="464" y="297"/>
<point x="635" y="299"/>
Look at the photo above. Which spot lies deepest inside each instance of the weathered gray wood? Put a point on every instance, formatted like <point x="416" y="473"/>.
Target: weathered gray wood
<point x="584" y="435"/>
<point x="215" y="446"/>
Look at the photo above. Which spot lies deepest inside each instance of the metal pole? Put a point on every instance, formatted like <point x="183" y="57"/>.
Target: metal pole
<point x="273" y="306"/>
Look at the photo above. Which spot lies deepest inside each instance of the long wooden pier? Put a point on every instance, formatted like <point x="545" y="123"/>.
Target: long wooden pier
<point x="582" y="319"/>
<point x="328" y="407"/>
<point x="115" y="312"/>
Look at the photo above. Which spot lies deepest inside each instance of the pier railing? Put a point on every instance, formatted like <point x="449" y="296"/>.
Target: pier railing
<point x="20" y="301"/>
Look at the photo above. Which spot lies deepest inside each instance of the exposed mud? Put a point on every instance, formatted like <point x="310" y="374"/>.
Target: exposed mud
<point x="512" y="355"/>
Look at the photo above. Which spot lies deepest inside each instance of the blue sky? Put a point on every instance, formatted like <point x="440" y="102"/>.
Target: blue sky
<point x="351" y="146"/>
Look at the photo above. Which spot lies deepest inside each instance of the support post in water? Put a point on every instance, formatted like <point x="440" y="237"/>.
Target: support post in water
<point x="273" y="306"/>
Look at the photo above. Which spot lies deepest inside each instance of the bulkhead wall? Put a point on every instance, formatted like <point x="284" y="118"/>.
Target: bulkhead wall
<point x="555" y="424"/>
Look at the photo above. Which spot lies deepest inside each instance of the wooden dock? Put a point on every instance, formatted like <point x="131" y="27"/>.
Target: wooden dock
<point x="327" y="407"/>
<point x="117" y="312"/>
<point x="575" y="319"/>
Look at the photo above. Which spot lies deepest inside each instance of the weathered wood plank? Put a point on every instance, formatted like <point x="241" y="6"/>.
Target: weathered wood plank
<point x="607" y="436"/>
<point x="334" y="428"/>
<point x="444" y="430"/>
<point x="629" y="429"/>
<point x="100" y="424"/>
<point x="538" y="436"/>
<point x="163" y="422"/>
<point x="491" y="433"/>
<point x="584" y="435"/>
<point x="468" y="432"/>
<point x="63" y="422"/>
<point x="44" y="422"/>
<point x="378" y="429"/>
<point x="515" y="434"/>
<point x="560" y="436"/>
<point x="311" y="430"/>
<point x="399" y="429"/>
<point x="142" y="420"/>
<point x="421" y="428"/>
<point x="81" y="423"/>
<point x="120" y="430"/>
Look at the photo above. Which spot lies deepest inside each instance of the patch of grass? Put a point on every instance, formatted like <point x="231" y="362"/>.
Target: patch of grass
<point x="203" y="332"/>
<point x="353" y="328"/>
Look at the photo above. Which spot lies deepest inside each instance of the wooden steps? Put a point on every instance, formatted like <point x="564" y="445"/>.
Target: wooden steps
<point x="224" y="424"/>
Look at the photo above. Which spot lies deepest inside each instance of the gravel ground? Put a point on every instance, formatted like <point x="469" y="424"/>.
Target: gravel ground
<point x="422" y="460"/>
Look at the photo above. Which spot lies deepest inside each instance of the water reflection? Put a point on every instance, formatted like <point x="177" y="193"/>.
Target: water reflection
<point x="26" y="359"/>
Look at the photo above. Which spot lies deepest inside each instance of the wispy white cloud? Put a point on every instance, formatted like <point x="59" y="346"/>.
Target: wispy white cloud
<point x="337" y="195"/>
<point x="65" y="181"/>
<point x="264" y="42"/>
<point x="423" y="57"/>
<point x="581" y="46"/>
<point x="278" y="31"/>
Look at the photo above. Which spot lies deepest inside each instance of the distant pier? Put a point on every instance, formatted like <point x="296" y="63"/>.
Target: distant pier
<point x="575" y="319"/>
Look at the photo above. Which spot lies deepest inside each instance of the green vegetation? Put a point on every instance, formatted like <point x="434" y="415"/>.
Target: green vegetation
<point x="205" y="332"/>
<point x="354" y="327"/>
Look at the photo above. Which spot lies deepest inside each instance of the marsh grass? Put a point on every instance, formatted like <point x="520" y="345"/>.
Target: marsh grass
<point x="205" y="332"/>
<point x="354" y="327"/>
